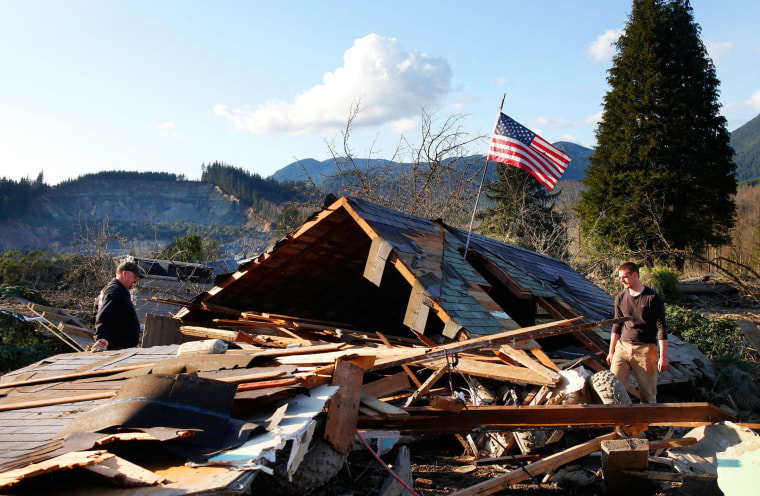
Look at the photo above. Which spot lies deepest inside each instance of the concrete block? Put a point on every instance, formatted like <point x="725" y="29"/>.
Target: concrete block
<point x="625" y="454"/>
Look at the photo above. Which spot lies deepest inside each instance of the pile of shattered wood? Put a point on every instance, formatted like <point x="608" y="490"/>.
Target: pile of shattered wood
<point x="281" y="412"/>
<point x="373" y="329"/>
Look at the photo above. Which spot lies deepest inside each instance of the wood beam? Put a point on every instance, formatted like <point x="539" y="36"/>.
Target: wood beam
<point x="504" y="418"/>
<point x="524" y="334"/>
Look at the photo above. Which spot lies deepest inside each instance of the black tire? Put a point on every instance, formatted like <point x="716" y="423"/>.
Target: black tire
<point x="319" y="465"/>
<point x="609" y="388"/>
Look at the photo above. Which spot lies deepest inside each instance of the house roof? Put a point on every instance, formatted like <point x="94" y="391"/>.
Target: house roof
<point x="379" y="269"/>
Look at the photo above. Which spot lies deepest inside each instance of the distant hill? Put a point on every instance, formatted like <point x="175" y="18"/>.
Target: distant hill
<point x="316" y="171"/>
<point x="147" y="209"/>
<point x="746" y="144"/>
<point x="579" y="156"/>
<point x="321" y="172"/>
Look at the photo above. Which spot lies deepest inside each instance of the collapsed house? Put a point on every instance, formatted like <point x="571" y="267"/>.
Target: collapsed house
<point x="341" y="331"/>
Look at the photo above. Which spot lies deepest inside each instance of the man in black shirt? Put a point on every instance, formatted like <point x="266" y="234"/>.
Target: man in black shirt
<point x="633" y="344"/>
<point x="116" y="322"/>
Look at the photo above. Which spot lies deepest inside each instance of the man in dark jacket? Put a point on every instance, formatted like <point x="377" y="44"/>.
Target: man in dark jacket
<point x="116" y="322"/>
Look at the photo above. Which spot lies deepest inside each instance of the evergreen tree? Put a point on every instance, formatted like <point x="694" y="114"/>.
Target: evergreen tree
<point x="524" y="214"/>
<point x="662" y="178"/>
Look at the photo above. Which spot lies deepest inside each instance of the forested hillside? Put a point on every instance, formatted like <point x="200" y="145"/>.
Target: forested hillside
<point x="250" y="188"/>
<point x="746" y="144"/>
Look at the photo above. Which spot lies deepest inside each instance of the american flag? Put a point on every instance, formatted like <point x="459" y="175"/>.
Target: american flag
<point x="516" y="145"/>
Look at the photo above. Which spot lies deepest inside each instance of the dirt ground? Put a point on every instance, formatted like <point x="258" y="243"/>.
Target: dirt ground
<point x="444" y="470"/>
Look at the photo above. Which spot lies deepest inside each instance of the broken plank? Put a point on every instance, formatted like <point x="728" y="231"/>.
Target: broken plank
<point x="672" y="443"/>
<point x="387" y="385"/>
<point x="66" y="461"/>
<point x="343" y="407"/>
<point x="20" y="405"/>
<point x="425" y="387"/>
<point x="522" y="358"/>
<point x="124" y="473"/>
<point x="546" y="464"/>
<point x="502" y="418"/>
<point x="213" y="333"/>
<point x="386" y="409"/>
<point x="77" y="375"/>
<point x="544" y="358"/>
<point x="69" y="330"/>
<point x="496" y="371"/>
<point x="533" y="332"/>
<point x="405" y="367"/>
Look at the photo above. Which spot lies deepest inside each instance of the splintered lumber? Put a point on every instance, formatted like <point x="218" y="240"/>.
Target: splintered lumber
<point x="544" y="358"/>
<point x="546" y="464"/>
<point x="504" y="418"/>
<point x="672" y="443"/>
<point x="425" y="387"/>
<point x="54" y="318"/>
<point x="76" y="375"/>
<point x="381" y="407"/>
<point x="523" y="334"/>
<point x="387" y="385"/>
<point x="343" y="407"/>
<point x="125" y="473"/>
<point x="66" y="461"/>
<point x="20" y="405"/>
<point x="212" y="333"/>
<point x="75" y="330"/>
<point x="522" y="358"/>
<point x="497" y="371"/>
<point x="403" y="366"/>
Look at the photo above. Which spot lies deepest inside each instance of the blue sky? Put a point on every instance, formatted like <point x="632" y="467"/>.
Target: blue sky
<point x="168" y="85"/>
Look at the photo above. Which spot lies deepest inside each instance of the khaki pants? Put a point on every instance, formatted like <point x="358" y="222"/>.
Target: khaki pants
<point x="641" y="359"/>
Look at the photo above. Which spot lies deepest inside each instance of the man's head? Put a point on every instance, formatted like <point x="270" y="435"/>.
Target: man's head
<point x="629" y="276"/>
<point x="128" y="273"/>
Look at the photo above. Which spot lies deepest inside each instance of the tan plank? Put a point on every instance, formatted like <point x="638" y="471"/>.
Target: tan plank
<point x="424" y="389"/>
<point x="544" y="358"/>
<point x="382" y="407"/>
<point x="387" y="385"/>
<point x="20" y="405"/>
<point x="501" y="418"/>
<point x="497" y="371"/>
<point x="522" y="358"/>
<point x="76" y="375"/>
<point x="533" y="332"/>
<point x="66" y="461"/>
<point x="534" y="469"/>
<point x="343" y="407"/>
<point x="404" y="367"/>
<point x="125" y="473"/>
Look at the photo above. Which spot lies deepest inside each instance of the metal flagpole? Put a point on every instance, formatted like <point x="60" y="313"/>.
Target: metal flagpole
<point x="482" y="181"/>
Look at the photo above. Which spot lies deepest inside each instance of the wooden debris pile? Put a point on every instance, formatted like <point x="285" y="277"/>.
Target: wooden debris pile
<point x="63" y="325"/>
<point x="301" y="389"/>
<point x="362" y="328"/>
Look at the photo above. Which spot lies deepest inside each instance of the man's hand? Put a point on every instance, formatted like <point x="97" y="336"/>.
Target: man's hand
<point x="99" y="345"/>
<point x="663" y="364"/>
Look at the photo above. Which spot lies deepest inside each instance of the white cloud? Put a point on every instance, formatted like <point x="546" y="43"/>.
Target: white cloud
<point x="593" y="119"/>
<point x="402" y="126"/>
<point x="750" y="104"/>
<point x="500" y="81"/>
<point x="718" y="49"/>
<point x="754" y="101"/>
<point x="551" y="123"/>
<point x="603" y="48"/>
<point x="390" y="82"/>
<point x="168" y="129"/>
